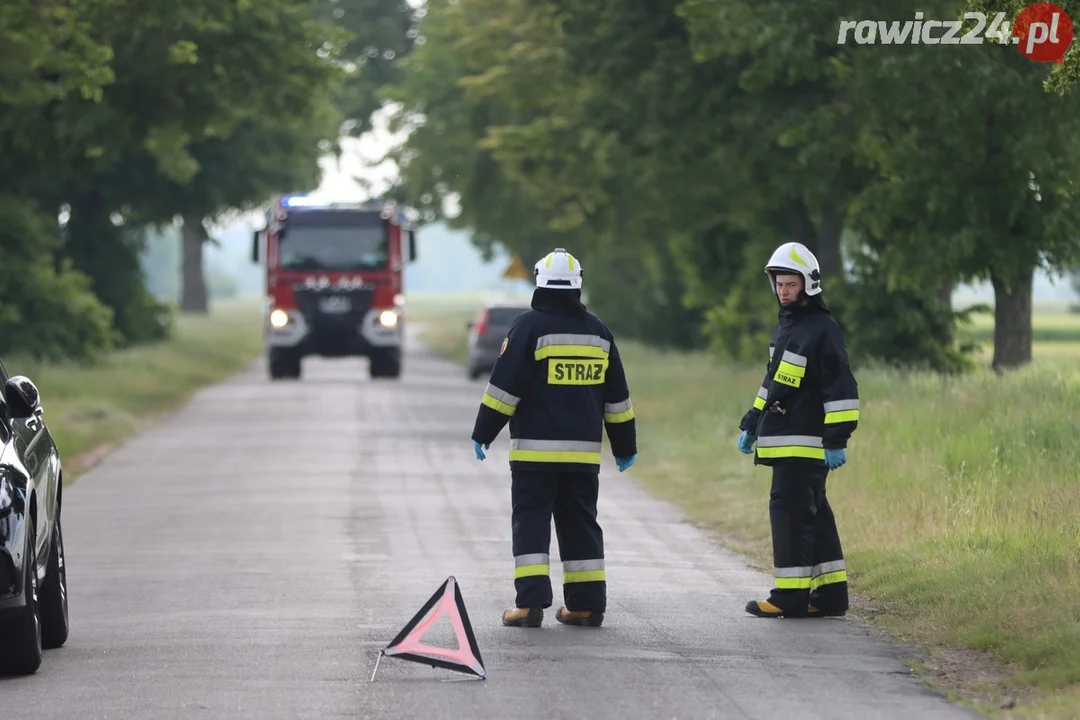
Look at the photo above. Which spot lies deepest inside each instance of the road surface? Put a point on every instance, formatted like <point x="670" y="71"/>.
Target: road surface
<point x="248" y="557"/>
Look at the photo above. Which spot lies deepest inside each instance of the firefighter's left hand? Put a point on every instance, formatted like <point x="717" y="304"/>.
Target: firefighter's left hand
<point x="625" y="462"/>
<point x="835" y="457"/>
<point x="480" y="453"/>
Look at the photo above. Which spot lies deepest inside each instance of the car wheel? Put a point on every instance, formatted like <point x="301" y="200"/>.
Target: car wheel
<point x="53" y="594"/>
<point x="386" y="363"/>
<point x="284" y="363"/>
<point x="22" y="632"/>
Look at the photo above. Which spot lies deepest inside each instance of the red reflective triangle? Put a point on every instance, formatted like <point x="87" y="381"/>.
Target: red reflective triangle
<point x="465" y="658"/>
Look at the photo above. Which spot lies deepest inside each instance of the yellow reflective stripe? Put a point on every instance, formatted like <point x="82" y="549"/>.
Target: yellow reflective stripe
<point x="620" y="417"/>
<point x="829" y="578"/>
<point x="801" y="583"/>
<point x="557" y="456"/>
<point x="497" y="405"/>
<point x="783" y="451"/>
<point x="578" y="576"/>
<point x="531" y="571"/>
<point x="789" y="374"/>
<point x="570" y="351"/>
<point x="759" y="403"/>
<point x="841" y="416"/>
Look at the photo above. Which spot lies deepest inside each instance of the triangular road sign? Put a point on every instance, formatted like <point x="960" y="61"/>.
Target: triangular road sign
<point x="516" y="270"/>
<point x="407" y="645"/>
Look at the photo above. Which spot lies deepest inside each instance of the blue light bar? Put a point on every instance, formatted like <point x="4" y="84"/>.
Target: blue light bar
<point x="305" y="201"/>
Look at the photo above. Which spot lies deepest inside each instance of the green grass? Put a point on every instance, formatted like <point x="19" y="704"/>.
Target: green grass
<point x="88" y="409"/>
<point x="959" y="507"/>
<point x="1058" y="325"/>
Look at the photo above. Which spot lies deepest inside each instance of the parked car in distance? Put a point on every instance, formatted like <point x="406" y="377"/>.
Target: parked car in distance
<point x="33" y="572"/>
<point x="486" y="334"/>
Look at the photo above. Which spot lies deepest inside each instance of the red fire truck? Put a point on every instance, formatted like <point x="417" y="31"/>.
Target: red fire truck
<point x="334" y="285"/>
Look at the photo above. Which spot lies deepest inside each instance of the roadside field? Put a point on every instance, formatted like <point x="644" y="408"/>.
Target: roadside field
<point x="89" y="409"/>
<point x="959" y="507"/>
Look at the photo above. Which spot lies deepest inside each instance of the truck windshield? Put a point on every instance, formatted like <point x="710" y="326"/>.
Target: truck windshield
<point x="334" y="247"/>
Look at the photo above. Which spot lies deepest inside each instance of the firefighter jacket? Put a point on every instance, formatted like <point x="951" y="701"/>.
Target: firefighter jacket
<point x="558" y="382"/>
<point x="809" y="400"/>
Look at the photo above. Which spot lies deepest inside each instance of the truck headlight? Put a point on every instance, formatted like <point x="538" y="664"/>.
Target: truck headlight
<point x="279" y="319"/>
<point x="388" y="318"/>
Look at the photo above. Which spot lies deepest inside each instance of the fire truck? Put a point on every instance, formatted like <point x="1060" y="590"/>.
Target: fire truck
<point x="334" y="283"/>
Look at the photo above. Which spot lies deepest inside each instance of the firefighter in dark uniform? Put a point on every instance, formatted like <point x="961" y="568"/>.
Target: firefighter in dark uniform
<point x="558" y="382"/>
<point x="803" y="416"/>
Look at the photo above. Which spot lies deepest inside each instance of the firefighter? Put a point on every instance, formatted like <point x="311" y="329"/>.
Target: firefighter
<point x="801" y="421"/>
<point x="558" y="382"/>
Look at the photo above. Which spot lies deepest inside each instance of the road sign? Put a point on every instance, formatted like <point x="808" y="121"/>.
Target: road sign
<point x="516" y="270"/>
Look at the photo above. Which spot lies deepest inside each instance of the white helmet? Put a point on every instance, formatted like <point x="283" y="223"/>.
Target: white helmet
<point x="792" y="258"/>
<point x="559" y="270"/>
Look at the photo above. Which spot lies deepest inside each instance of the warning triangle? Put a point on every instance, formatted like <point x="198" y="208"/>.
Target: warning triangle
<point x="516" y="270"/>
<point x="447" y="601"/>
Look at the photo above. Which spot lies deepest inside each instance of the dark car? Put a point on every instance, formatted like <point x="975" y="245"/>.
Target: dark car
<point x="486" y="334"/>
<point x="33" y="577"/>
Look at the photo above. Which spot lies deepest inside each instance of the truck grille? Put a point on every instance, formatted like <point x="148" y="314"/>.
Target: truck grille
<point x="331" y="310"/>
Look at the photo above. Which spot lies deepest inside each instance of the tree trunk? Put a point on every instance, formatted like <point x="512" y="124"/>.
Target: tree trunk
<point x="1012" y="319"/>
<point x="802" y="226"/>
<point x="947" y="333"/>
<point x="829" y="253"/>
<point x="193" y="296"/>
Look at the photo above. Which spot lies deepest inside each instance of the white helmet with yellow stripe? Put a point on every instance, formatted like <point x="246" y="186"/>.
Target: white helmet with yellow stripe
<point x="559" y="270"/>
<point x="795" y="258"/>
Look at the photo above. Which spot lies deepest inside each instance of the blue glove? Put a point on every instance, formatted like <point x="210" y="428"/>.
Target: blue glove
<point x="746" y="443"/>
<point x="480" y="453"/>
<point x="835" y="457"/>
<point x="625" y="462"/>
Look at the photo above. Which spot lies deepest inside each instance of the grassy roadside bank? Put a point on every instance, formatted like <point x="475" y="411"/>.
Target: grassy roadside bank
<point x="959" y="506"/>
<point x="89" y="409"/>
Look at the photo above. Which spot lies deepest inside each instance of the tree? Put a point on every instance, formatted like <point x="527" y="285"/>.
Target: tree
<point x="1064" y="75"/>
<point x="47" y="310"/>
<point x="978" y="183"/>
<point x="186" y="74"/>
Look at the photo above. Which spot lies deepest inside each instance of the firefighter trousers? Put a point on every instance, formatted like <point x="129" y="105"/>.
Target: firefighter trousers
<point x="569" y="497"/>
<point x="807" y="557"/>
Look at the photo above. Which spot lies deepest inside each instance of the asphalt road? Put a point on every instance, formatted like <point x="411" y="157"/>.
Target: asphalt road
<point x="248" y="557"/>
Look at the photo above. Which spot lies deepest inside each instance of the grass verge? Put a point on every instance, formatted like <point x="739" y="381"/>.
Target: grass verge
<point x="89" y="409"/>
<point x="959" y="507"/>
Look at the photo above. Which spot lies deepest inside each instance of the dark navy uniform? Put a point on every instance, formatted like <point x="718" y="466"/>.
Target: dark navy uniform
<point x="808" y="402"/>
<point x="559" y="382"/>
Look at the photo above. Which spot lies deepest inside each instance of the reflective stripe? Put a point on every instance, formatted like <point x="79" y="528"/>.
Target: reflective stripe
<point x="794" y="358"/>
<point x="575" y="571"/>
<point x="532" y="559"/>
<point x="839" y="411"/>
<point x="829" y="573"/>
<point x="762" y="396"/>
<point x="772" y="349"/>
<point x="781" y="440"/>
<point x="832" y="566"/>
<point x="792" y="578"/>
<point x="555" y="451"/>
<point x="789" y="374"/>
<point x="781" y="446"/>
<point x="571" y="345"/>
<point x="532" y="565"/>
<point x="829" y="579"/>
<point x="619" y="412"/>
<point x="499" y="400"/>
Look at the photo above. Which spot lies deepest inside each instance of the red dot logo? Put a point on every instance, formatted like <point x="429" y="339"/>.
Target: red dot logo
<point x="1043" y="32"/>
